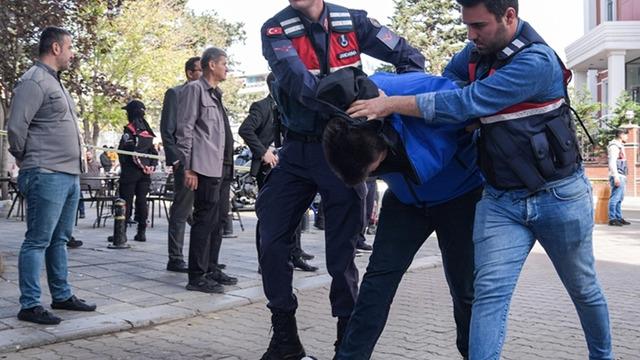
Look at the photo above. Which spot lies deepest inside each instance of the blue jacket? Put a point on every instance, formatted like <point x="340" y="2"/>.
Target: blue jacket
<point x="443" y="157"/>
<point x="296" y="86"/>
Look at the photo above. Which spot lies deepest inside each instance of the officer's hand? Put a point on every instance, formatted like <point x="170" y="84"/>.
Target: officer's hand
<point x="616" y="182"/>
<point x="270" y="158"/>
<point x="375" y="108"/>
<point x="191" y="180"/>
<point x="472" y="127"/>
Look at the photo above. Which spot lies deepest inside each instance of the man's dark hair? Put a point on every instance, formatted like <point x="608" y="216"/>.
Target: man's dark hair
<point x="350" y="150"/>
<point x="190" y="65"/>
<point x="497" y="7"/>
<point x="49" y="36"/>
<point x="211" y="54"/>
<point x="619" y="131"/>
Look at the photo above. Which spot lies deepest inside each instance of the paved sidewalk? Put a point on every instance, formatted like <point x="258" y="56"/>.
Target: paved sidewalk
<point x="132" y="287"/>
<point x="542" y="324"/>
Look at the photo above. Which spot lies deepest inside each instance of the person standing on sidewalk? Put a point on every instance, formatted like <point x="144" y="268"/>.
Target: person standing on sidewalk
<point x="516" y="85"/>
<point x="303" y="43"/>
<point x="45" y="140"/>
<point x="135" y="173"/>
<point x="258" y="131"/>
<point x="182" y="204"/>
<point x="617" y="176"/>
<point x="201" y="144"/>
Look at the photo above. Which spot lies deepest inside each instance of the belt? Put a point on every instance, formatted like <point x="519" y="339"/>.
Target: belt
<point x="302" y="137"/>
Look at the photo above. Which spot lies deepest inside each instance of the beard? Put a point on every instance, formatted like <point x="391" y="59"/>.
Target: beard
<point x="498" y="42"/>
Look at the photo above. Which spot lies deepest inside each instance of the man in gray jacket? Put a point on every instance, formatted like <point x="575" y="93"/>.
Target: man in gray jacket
<point x="201" y="140"/>
<point x="45" y="140"/>
<point x="182" y="196"/>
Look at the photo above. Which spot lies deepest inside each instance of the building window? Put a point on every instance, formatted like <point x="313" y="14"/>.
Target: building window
<point x="608" y="9"/>
<point x="632" y="72"/>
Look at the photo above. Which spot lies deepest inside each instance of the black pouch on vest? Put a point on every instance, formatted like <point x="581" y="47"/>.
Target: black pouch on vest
<point x="518" y="163"/>
<point x="562" y="142"/>
<point x="540" y="148"/>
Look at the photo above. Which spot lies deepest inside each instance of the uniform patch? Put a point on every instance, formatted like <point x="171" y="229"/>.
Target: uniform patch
<point x="283" y="49"/>
<point x="348" y="54"/>
<point x="388" y="38"/>
<point x="375" y="22"/>
<point x="344" y="42"/>
<point x="275" y="31"/>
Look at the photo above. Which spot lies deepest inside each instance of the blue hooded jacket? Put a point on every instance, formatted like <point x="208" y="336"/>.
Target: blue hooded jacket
<point x="443" y="157"/>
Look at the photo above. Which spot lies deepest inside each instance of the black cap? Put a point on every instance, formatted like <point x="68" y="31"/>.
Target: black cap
<point x="134" y="105"/>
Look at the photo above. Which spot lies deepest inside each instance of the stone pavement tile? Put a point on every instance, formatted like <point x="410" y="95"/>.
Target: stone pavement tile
<point x="88" y="326"/>
<point x="215" y="302"/>
<point x="28" y="335"/>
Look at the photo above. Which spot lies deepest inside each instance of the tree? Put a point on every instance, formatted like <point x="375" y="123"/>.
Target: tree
<point x="587" y="111"/>
<point x="432" y="26"/>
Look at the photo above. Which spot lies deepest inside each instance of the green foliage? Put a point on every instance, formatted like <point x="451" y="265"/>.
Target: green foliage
<point x="432" y="26"/>
<point x="618" y="117"/>
<point x="587" y="110"/>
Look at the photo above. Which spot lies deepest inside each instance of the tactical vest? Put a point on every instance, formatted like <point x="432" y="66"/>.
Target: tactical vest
<point x="527" y="144"/>
<point x="343" y="49"/>
<point x="621" y="161"/>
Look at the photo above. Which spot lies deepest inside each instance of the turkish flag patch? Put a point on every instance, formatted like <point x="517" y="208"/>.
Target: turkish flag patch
<point x="274" y="31"/>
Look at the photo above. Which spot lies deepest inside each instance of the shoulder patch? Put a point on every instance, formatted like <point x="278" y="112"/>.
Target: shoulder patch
<point x="388" y="38"/>
<point x="374" y="22"/>
<point x="283" y="49"/>
<point x="274" y="31"/>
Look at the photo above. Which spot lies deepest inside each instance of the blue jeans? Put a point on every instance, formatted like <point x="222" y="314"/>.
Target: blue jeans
<point x="617" y="195"/>
<point x="52" y="200"/>
<point x="506" y="227"/>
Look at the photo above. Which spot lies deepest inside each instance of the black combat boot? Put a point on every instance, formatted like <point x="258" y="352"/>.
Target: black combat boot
<point x="141" y="234"/>
<point x="285" y="343"/>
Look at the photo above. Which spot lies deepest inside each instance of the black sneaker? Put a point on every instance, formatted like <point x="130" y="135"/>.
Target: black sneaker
<point x="229" y="236"/>
<point x="74" y="304"/>
<point x="364" y="247"/>
<point x="222" y="278"/>
<point x="205" y="285"/>
<point x="177" y="266"/>
<point x="624" y="222"/>
<point x="73" y="243"/>
<point x="615" y="223"/>
<point x="38" y="315"/>
<point x="222" y="266"/>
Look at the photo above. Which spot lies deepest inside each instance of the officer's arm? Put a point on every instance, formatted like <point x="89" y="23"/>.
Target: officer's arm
<point x="249" y="127"/>
<point x="612" y="157"/>
<point x="290" y="72"/>
<point x="381" y="43"/>
<point x="28" y="97"/>
<point x="457" y="70"/>
<point x="530" y="75"/>
<point x="188" y="108"/>
<point x="168" y="123"/>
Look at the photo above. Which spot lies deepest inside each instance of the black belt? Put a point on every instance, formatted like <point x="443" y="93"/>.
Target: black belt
<point x="302" y="137"/>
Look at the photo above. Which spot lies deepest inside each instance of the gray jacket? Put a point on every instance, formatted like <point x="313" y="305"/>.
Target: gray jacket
<point x="200" y="136"/>
<point x="43" y="126"/>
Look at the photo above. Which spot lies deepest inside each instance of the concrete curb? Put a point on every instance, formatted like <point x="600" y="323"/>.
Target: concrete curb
<point x="12" y="340"/>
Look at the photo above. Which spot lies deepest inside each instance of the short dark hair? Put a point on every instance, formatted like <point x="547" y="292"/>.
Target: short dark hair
<point x="351" y="149"/>
<point x="211" y="54"/>
<point x="190" y="65"/>
<point x="49" y="36"/>
<point x="497" y="7"/>
<point x="620" y="131"/>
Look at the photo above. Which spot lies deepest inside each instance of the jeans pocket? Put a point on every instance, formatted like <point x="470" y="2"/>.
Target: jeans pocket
<point x="571" y="191"/>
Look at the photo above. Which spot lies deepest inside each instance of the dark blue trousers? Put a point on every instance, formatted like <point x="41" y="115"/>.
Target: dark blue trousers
<point x="287" y="193"/>
<point x="402" y="229"/>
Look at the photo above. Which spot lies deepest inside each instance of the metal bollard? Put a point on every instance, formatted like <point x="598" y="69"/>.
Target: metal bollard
<point x="119" y="238"/>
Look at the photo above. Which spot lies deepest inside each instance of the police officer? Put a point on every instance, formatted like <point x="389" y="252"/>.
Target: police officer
<point x="537" y="189"/>
<point x="135" y="172"/>
<point x="302" y="43"/>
